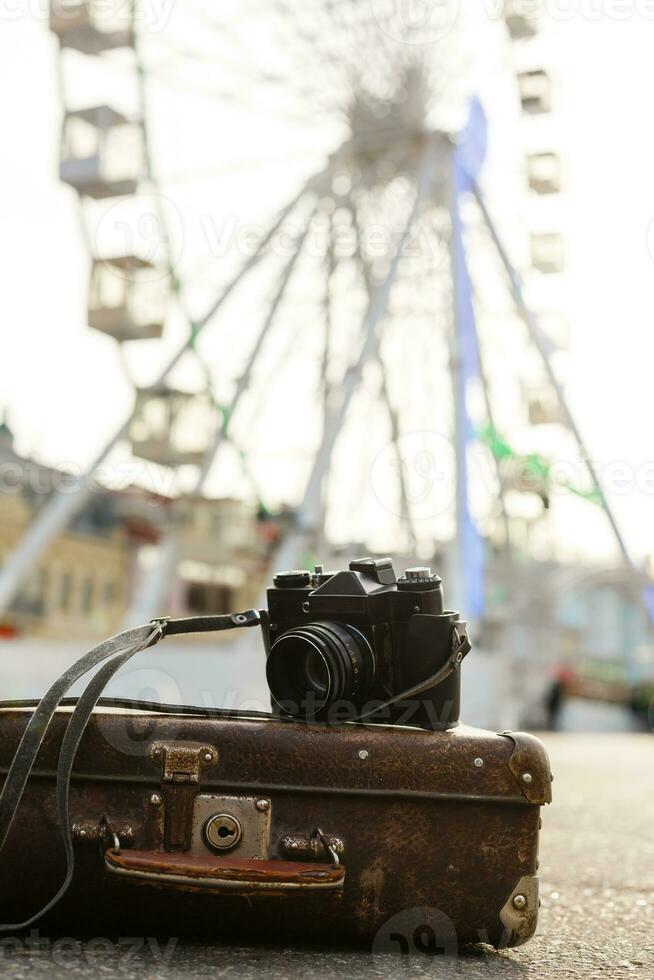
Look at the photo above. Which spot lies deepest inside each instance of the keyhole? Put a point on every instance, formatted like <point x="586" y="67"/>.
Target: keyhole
<point x="222" y="832"/>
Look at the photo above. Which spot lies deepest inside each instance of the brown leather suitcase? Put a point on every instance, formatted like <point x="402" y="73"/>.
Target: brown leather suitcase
<point x="257" y="828"/>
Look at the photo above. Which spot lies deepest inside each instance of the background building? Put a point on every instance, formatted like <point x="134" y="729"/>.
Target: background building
<point x="85" y="581"/>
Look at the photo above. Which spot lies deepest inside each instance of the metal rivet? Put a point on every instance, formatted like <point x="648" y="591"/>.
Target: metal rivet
<point x="156" y="799"/>
<point x="208" y="756"/>
<point x="479" y="763"/>
<point x="262" y="805"/>
<point x="520" y="902"/>
<point x="156" y="752"/>
<point x="527" y="777"/>
<point x="363" y="754"/>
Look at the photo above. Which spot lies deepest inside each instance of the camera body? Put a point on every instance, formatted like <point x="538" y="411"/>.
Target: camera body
<point x="342" y="645"/>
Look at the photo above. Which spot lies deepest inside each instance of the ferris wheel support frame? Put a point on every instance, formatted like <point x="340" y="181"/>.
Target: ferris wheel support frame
<point x="326" y="389"/>
<point x="151" y="592"/>
<point x="177" y="285"/>
<point x="537" y="338"/>
<point x="245" y="376"/>
<point x="308" y="513"/>
<point x="60" y="508"/>
<point x="393" y="414"/>
<point x="456" y="571"/>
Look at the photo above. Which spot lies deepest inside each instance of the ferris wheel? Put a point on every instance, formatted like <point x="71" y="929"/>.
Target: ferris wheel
<point x="289" y="240"/>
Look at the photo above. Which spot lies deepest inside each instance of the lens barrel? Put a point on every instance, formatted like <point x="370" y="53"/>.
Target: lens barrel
<point x="312" y="667"/>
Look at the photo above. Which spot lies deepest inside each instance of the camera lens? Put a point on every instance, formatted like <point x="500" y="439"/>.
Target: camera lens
<point x="316" y="672"/>
<point x="312" y="667"/>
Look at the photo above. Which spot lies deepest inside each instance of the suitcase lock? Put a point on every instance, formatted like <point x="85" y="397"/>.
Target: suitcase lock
<point x="222" y="843"/>
<point x="194" y="821"/>
<point x="223" y="831"/>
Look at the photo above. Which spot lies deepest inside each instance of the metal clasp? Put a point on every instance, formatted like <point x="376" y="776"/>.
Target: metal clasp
<point x="182" y="762"/>
<point x="329" y="847"/>
<point x="312" y="847"/>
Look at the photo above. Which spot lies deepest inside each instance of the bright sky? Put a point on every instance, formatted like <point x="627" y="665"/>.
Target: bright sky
<point x="62" y="382"/>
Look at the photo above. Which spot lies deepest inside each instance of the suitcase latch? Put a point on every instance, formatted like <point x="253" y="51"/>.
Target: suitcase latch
<point x="181" y="765"/>
<point x="312" y="847"/>
<point x="182" y="762"/>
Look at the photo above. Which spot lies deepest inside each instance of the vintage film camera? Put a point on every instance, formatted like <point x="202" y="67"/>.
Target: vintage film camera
<point x="363" y="645"/>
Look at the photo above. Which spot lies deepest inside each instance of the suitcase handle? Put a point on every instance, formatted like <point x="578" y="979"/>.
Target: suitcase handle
<point x="185" y="870"/>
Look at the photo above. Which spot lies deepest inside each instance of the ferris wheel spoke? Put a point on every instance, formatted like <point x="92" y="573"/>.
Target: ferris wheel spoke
<point x="261" y="393"/>
<point x="246" y="70"/>
<point x="167" y="76"/>
<point x="393" y="414"/>
<point x="211" y="172"/>
<point x="227" y="25"/>
<point x="396" y="432"/>
<point x="311" y="186"/>
<point x="371" y="36"/>
<point x="151" y="592"/>
<point x="325" y="362"/>
<point x="60" y="508"/>
<point x="537" y="339"/>
<point x="246" y="375"/>
<point x="178" y="287"/>
<point x="490" y="415"/>
<point x="377" y="309"/>
<point x="328" y="317"/>
<point x="312" y="44"/>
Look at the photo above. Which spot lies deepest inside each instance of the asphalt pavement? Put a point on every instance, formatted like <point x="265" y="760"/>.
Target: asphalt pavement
<point x="597" y="888"/>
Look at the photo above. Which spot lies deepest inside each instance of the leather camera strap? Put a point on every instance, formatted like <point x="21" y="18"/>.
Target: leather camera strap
<point x="460" y="648"/>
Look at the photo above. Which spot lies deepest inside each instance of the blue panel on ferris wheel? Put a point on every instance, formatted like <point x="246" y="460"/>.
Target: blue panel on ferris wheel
<point x="469" y="159"/>
<point x="648" y="594"/>
<point x="473" y="142"/>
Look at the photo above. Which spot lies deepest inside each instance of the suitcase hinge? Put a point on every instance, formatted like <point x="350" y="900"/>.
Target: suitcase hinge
<point x="182" y="764"/>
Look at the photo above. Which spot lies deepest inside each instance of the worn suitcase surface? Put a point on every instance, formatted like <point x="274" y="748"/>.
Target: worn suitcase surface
<point x="257" y="828"/>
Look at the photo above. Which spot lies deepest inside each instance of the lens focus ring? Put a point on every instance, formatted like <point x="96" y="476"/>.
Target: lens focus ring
<point x="313" y="666"/>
